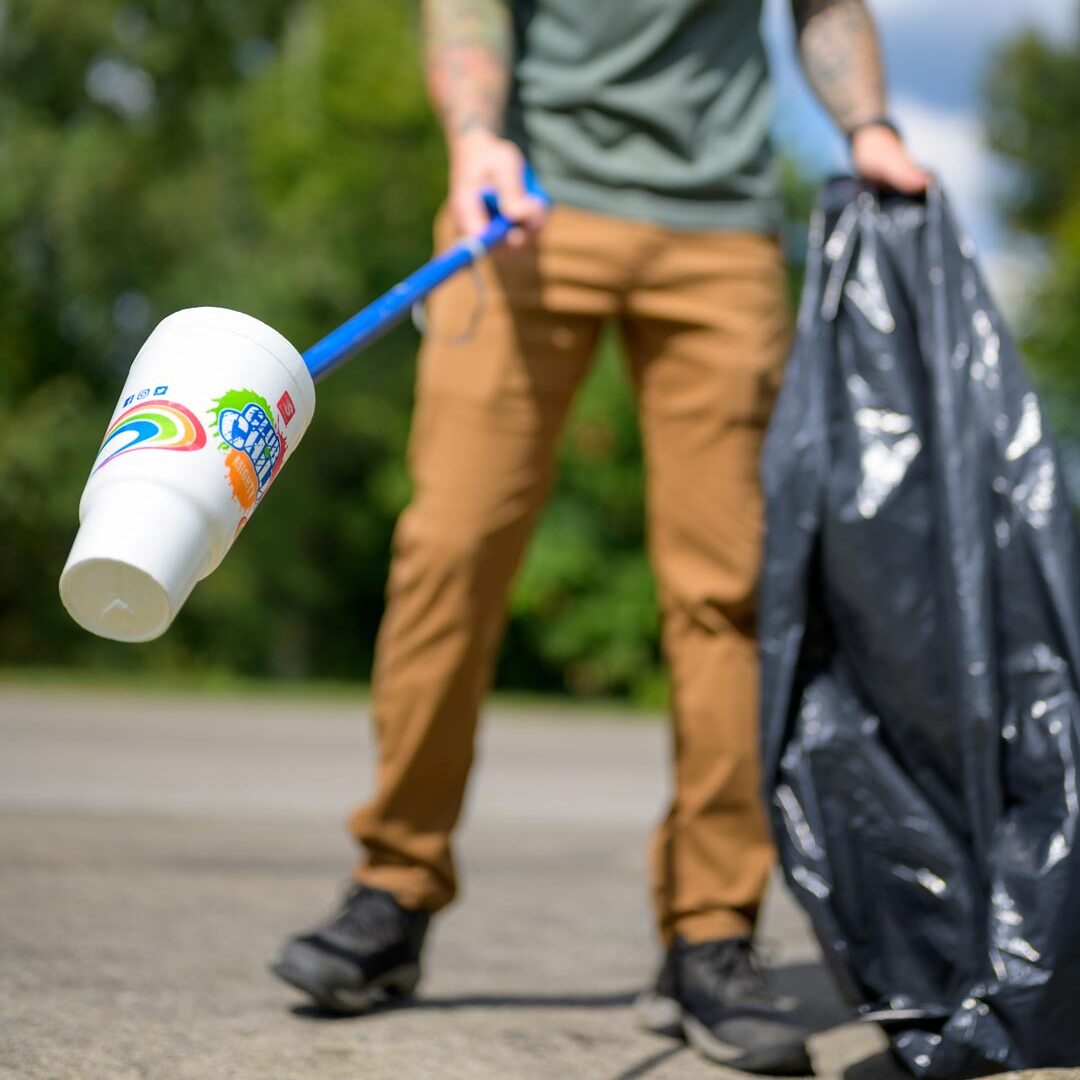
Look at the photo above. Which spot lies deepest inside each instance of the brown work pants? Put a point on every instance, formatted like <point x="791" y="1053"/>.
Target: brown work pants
<point x="705" y="327"/>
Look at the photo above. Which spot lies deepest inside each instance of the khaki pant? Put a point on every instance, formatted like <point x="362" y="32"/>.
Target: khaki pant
<point x="705" y="326"/>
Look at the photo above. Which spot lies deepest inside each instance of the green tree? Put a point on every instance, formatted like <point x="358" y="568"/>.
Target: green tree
<point x="1032" y="110"/>
<point x="165" y="154"/>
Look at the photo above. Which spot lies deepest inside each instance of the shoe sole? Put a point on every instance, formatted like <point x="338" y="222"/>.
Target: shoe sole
<point x="392" y="985"/>
<point x="790" y="1059"/>
<point x="659" y="1014"/>
<point x="662" y="1015"/>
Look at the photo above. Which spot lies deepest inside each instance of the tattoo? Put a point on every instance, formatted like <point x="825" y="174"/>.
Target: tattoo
<point x="840" y="56"/>
<point x="468" y="48"/>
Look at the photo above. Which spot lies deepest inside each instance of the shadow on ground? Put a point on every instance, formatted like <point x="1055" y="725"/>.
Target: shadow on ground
<point x="809" y="984"/>
<point x="818" y="1003"/>
<point x="479" y="1001"/>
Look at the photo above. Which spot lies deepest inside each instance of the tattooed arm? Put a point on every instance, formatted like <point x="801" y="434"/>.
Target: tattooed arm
<point x="839" y="50"/>
<point x="468" y="45"/>
<point x="839" y="53"/>
<point x="468" y="57"/>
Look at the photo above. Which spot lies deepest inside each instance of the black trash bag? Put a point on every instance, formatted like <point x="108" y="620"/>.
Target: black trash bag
<point x="920" y="630"/>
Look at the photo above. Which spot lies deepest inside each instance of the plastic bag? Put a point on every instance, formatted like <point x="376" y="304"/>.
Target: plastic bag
<point x="920" y="629"/>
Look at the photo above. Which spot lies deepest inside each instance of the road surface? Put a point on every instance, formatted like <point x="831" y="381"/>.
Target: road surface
<point x="155" y="849"/>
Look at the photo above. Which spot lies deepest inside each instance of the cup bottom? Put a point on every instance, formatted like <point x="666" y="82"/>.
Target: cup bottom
<point x="116" y="600"/>
<point x="139" y="551"/>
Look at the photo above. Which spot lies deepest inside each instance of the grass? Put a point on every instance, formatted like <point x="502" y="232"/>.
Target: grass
<point x="219" y="683"/>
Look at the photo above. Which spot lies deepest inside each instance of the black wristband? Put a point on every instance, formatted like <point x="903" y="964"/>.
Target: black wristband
<point x="877" y="121"/>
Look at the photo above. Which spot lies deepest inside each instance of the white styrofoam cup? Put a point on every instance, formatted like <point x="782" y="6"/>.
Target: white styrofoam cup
<point x="214" y="404"/>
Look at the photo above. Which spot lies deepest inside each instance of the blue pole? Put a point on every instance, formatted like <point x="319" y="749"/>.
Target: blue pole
<point x="385" y="313"/>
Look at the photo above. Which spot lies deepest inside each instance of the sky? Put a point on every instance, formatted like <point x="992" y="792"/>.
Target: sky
<point x="935" y="56"/>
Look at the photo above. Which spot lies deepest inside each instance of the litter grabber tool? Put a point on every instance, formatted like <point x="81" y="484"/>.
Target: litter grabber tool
<point x="214" y="404"/>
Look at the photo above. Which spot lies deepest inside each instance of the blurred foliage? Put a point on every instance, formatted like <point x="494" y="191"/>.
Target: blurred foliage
<point x="1032" y="112"/>
<point x="279" y="157"/>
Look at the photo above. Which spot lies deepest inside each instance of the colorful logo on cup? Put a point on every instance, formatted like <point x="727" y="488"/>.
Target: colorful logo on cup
<point x="152" y="424"/>
<point x="253" y="446"/>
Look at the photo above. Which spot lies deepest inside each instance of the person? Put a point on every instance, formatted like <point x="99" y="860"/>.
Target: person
<point x="647" y="122"/>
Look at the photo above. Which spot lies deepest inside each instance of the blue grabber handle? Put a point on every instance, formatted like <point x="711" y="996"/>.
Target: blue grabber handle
<point x="392" y="307"/>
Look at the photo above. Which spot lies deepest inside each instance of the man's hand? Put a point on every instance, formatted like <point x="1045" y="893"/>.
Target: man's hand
<point x="881" y="158"/>
<point x="480" y="160"/>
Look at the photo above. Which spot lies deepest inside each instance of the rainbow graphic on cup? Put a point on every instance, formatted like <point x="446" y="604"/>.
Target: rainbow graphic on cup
<point x="151" y="425"/>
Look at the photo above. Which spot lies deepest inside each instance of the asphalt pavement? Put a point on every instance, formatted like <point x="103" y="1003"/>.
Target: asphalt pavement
<point x="155" y="849"/>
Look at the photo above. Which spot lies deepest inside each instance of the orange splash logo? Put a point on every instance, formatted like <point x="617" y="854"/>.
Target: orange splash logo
<point x="242" y="478"/>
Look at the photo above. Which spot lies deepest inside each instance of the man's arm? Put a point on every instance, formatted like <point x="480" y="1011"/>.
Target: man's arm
<point x="468" y="47"/>
<point x="839" y="50"/>
<point x="468" y="55"/>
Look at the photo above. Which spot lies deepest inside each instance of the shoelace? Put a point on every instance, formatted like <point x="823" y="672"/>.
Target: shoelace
<point x="725" y="964"/>
<point x="366" y="914"/>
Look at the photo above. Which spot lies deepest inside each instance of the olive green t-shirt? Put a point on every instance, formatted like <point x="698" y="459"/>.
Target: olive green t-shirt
<point x="653" y="109"/>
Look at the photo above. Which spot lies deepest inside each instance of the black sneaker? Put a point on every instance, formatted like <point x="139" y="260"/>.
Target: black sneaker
<point x="365" y="955"/>
<point x="716" y="995"/>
